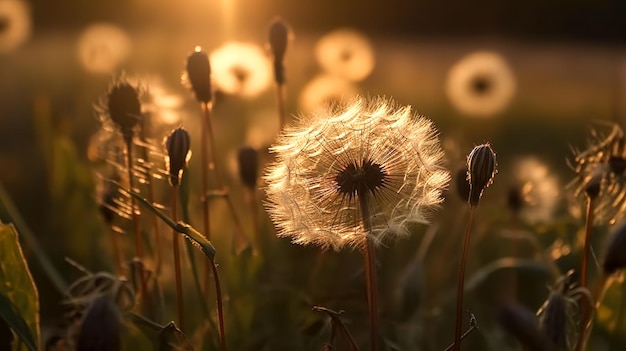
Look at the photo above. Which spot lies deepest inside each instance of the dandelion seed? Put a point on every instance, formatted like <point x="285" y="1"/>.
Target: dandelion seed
<point x="102" y="47"/>
<point x="329" y="162"/>
<point x="15" y="24"/>
<point x="481" y="84"/>
<point x="240" y="69"/>
<point x="346" y="53"/>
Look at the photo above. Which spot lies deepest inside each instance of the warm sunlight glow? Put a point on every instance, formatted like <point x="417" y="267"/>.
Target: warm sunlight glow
<point x="15" y="24"/>
<point x="240" y="69"/>
<point x="103" y="47"/>
<point x="323" y="90"/>
<point x="346" y="53"/>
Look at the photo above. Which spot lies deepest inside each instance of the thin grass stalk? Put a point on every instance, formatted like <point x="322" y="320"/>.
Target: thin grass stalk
<point x="158" y="252"/>
<point x="177" y="270"/>
<point x="117" y="252"/>
<point x="369" y="263"/>
<point x="220" y="304"/>
<point x="134" y="216"/>
<point x="206" y="214"/>
<point x="460" y="282"/>
<point x="586" y="250"/>
<point x="281" y="93"/>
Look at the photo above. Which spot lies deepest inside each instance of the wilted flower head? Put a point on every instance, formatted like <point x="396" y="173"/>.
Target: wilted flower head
<point x="177" y="146"/>
<point x="278" y="40"/>
<point x="15" y="24"/>
<point x="345" y="53"/>
<point x="123" y="107"/>
<point x="370" y="152"/>
<point x="102" y="47"/>
<point x="600" y="174"/>
<point x="481" y="84"/>
<point x="481" y="169"/>
<point x="241" y="69"/>
<point x="198" y="75"/>
<point x="325" y="90"/>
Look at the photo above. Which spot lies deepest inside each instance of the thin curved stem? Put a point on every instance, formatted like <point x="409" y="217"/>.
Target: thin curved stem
<point x="460" y="282"/>
<point x="588" y="229"/>
<point x="281" y="97"/>
<point x="117" y="251"/>
<point x="220" y="309"/>
<point x="177" y="269"/>
<point x="369" y="263"/>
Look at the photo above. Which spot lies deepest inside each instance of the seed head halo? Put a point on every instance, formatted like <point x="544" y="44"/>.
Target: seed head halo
<point x="327" y="162"/>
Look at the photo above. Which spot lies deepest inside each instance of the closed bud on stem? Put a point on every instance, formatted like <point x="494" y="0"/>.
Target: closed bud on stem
<point x="481" y="169"/>
<point x="177" y="146"/>
<point x="278" y="40"/>
<point x="199" y="75"/>
<point x="124" y="108"/>
<point x="101" y="327"/>
<point x="593" y="181"/>
<point x="615" y="257"/>
<point x="248" y="161"/>
<point x="522" y="324"/>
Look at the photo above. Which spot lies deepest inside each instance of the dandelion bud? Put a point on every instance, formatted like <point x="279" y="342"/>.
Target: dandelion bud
<point x="248" y="161"/>
<point x="199" y="75"/>
<point x="124" y="108"/>
<point x="278" y="39"/>
<point x="481" y="165"/>
<point x="615" y="257"/>
<point x="462" y="186"/>
<point x="177" y="147"/>
<point x="592" y="183"/>
<point x="100" y="329"/>
<point x="554" y="321"/>
<point x="522" y="324"/>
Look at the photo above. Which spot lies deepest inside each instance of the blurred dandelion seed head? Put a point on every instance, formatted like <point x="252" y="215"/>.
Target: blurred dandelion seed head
<point x="347" y="54"/>
<point x="102" y="47"/>
<point x="159" y="103"/>
<point x="600" y="174"/>
<point x="538" y="190"/>
<point x="370" y="148"/>
<point x="324" y="91"/>
<point x="15" y="24"/>
<point x="240" y="69"/>
<point x="481" y="84"/>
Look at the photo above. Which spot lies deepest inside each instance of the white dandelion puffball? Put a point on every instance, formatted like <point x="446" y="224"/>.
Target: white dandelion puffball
<point x="364" y="170"/>
<point x="539" y="189"/>
<point x="240" y="69"/>
<point x="481" y="84"/>
<point x="326" y="90"/>
<point x="102" y="47"/>
<point x="346" y="53"/>
<point x="15" y="24"/>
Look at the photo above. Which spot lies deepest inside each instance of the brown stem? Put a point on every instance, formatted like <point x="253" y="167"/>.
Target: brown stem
<point x="369" y="263"/>
<point x="206" y="214"/>
<point x="253" y="202"/>
<point x="177" y="270"/>
<point x="587" y="311"/>
<point x="117" y="251"/>
<point x="220" y="309"/>
<point x="281" y="94"/>
<point x="588" y="227"/>
<point x="460" y="283"/>
<point x="158" y="253"/>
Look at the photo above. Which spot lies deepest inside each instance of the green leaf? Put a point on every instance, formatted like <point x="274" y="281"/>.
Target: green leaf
<point x="19" y="301"/>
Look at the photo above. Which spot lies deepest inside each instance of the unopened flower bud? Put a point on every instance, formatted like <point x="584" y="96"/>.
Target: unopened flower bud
<point x="523" y="325"/>
<point x="101" y="328"/>
<point x="278" y="40"/>
<point x="554" y="321"/>
<point x="199" y="75"/>
<point x="481" y="166"/>
<point x="124" y="108"/>
<point x="248" y="161"/>
<point x="177" y="146"/>
<point x="615" y="257"/>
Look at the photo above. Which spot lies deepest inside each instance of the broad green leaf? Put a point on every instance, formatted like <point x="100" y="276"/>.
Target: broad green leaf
<point x="19" y="301"/>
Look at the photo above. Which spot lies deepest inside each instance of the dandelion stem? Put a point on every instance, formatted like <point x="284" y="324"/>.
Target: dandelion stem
<point x="587" y="310"/>
<point x="115" y="242"/>
<point x="155" y="221"/>
<point x="176" y="249"/>
<point x="588" y="227"/>
<point x="281" y="94"/>
<point x="460" y="282"/>
<point x="206" y="214"/>
<point x="220" y="309"/>
<point x="255" y="217"/>
<point x="369" y="262"/>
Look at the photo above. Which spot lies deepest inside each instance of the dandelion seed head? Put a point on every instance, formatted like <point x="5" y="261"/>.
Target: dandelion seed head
<point x="328" y="162"/>
<point x="537" y="189"/>
<point x="240" y="69"/>
<point x="346" y="53"/>
<point x="481" y="84"/>
<point x="102" y="47"/>
<point x="15" y="24"/>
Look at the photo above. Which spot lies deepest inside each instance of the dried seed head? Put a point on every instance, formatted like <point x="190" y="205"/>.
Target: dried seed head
<point x="248" y="161"/>
<point x="481" y="168"/>
<point x="177" y="146"/>
<point x="278" y="40"/>
<point x="199" y="75"/>
<point x="615" y="257"/>
<point x="124" y="108"/>
<point x="101" y="327"/>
